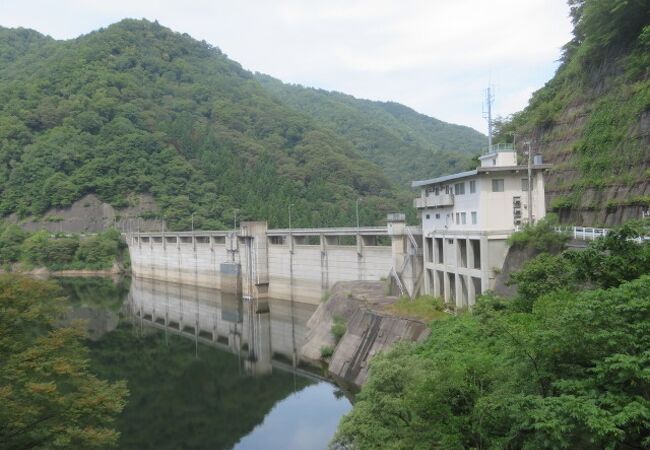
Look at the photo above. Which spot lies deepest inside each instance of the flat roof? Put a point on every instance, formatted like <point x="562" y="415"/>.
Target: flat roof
<point x="471" y="173"/>
<point x="455" y="176"/>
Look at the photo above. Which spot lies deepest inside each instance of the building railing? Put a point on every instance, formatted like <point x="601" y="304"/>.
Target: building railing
<point x="434" y="201"/>
<point x="496" y="148"/>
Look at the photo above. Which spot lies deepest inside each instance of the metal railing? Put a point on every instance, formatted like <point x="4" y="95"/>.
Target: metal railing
<point x="398" y="281"/>
<point x="584" y="233"/>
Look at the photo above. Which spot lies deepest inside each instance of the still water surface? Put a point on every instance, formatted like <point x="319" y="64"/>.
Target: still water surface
<point x="206" y="370"/>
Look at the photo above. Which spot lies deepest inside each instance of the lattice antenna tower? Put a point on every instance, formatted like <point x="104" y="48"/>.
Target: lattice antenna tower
<point x="487" y="112"/>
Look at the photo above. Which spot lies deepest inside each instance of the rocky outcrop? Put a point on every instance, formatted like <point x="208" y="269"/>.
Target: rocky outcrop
<point x="90" y="215"/>
<point x="370" y="329"/>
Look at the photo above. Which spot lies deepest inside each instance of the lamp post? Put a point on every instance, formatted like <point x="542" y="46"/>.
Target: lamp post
<point x="290" y="236"/>
<point x="357" y="209"/>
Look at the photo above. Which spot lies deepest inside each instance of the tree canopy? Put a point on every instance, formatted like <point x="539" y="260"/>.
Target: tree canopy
<point x="136" y="108"/>
<point x="49" y="397"/>
<point x="564" y="366"/>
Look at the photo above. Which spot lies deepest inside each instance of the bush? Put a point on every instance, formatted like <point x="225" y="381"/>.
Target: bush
<point x="326" y="351"/>
<point x="338" y="328"/>
<point x="541" y="236"/>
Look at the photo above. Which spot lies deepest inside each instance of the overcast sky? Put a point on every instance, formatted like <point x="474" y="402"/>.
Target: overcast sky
<point x="436" y="56"/>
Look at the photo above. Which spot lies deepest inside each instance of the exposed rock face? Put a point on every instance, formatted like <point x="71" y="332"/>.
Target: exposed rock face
<point x="370" y="329"/>
<point x="514" y="262"/>
<point x="90" y="215"/>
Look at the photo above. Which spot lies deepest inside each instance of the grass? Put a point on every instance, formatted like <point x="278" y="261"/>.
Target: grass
<point x="426" y="308"/>
<point x="338" y="328"/>
<point x="326" y="351"/>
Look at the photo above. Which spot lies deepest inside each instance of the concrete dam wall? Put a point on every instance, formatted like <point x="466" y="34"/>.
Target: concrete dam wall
<point x="300" y="264"/>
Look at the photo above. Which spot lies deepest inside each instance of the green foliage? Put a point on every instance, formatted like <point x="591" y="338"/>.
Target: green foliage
<point x="338" y="328"/>
<point x="135" y="108"/>
<point x="100" y="250"/>
<point x="326" y="351"/>
<point x="541" y="275"/>
<point x="589" y="117"/>
<point x="48" y="396"/>
<point x="424" y="307"/>
<point x="540" y="236"/>
<point x="570" y="374"/>
<point x="405" y="144"/>
<point x="11" y="238"/>
<point x="606" y="262"/>
<point x="59" y="252"/>
<point x="563" y="366"/>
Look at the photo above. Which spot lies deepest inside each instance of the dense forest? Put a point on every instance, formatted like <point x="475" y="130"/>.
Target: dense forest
<point x="592" y="120"/>
<point x="406" y="144"/>
<point x="136" y="108"/>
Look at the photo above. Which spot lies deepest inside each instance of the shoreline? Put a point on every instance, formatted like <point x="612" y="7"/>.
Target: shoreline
<point x="44" y="272"/>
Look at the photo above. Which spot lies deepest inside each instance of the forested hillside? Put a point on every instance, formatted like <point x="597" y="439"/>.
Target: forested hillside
<point x="592" y="120"/>
<point x="406" y="144"/>
<point x="136" y="108"/>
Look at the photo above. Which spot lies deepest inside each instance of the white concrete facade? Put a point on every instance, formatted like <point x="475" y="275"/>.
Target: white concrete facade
<point x="299" y="264"/>
<point x="466" y="220"/>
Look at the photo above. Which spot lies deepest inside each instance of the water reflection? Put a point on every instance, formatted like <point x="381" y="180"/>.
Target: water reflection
<point x="263" y="333"/>
<point x="206" y="370"/>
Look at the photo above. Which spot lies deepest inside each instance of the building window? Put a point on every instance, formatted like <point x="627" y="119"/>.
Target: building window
<point x="437" y="191"/>
<point x="524" y="185"/>
<point x="474" y="218"/>
<point x="459" y="188"/>
<point x="457" y="218"/>
<point x="498" y="185"/>
<point x="446" y="189"/>
<point x="472" y="187"/>
<point x="437" y="215"/>
<point x="428" y="216"/>
<point x="463" y="218"/>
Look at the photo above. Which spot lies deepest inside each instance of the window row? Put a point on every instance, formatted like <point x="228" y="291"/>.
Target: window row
<point x="498" y="185"/>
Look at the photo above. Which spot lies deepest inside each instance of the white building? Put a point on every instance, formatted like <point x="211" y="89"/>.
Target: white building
<point x="466" y="219"/>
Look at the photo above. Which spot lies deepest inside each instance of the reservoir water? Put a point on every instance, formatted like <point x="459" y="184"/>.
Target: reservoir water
<point x="205" y="370"/>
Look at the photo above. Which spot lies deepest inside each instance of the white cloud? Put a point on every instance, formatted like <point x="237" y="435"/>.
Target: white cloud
<point x="435" y="56"/>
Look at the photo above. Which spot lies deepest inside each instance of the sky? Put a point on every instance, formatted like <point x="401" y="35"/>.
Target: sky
<point x="435" y="56"/>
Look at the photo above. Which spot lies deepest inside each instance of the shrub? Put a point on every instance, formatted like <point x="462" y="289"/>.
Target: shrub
<point x="541" y="236"/>
<point x="326" y="351"/>
<point x="338" y="328"/>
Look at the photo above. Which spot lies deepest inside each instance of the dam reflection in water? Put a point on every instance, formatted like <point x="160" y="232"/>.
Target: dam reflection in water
<point x="207" y="370"/>
<point x="263" y="333"/>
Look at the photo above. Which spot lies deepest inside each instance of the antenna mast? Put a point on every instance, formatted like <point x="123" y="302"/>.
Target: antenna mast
<point x="487" y="114"/>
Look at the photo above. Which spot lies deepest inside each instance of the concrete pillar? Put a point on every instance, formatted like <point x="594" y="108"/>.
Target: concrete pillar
<point x="396" y="225"/>
<point x="254" y="258"/>
<point x="485" y="262"/>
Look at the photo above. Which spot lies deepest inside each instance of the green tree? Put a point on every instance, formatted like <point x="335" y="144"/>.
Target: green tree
<point x="48" y="396"/>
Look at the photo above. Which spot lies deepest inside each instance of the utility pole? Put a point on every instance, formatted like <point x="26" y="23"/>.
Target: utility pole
<point x="530" y="183"/>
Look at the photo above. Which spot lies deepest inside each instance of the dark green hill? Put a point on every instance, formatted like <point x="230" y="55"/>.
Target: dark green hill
<point x="406" y="144"/>
<point x="592" y="120"/>
<point x="137" y="108"/>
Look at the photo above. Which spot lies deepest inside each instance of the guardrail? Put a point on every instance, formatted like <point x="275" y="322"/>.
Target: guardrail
<point x="584" y="233"/>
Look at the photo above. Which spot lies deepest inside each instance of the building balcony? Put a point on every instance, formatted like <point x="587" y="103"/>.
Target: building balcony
<point x="434" y="201"/>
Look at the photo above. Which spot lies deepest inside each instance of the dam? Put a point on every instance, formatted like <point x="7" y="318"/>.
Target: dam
<point x="302" y="263"/>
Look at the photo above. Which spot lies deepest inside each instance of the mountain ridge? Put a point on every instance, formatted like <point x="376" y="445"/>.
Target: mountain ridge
<point x="137" y="108"/>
